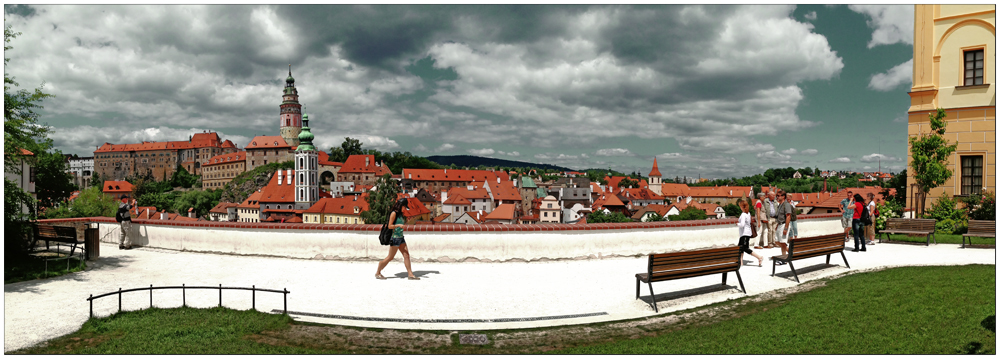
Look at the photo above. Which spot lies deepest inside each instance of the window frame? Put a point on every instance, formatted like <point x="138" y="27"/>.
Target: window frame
<point x="961" y="176"/>
<point x="963" y="62"/>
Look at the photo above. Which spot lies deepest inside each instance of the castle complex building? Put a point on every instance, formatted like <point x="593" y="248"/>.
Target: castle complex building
<point x="954" y="53"/>
<point x="115" y="162"/>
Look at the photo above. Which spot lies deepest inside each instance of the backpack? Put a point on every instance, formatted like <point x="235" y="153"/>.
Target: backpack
<point x="385" y="235"/>
<point x="122" y="214"/>
<point x="866" y="218"/>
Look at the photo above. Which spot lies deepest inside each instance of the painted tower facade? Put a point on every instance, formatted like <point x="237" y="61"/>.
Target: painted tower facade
<point x="291" y="112"/>
<point x="306" y="169"/>
<point x="655" y="180"/>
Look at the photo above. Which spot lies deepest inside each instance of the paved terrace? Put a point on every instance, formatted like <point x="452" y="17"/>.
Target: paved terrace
<point x="453" y="296"/>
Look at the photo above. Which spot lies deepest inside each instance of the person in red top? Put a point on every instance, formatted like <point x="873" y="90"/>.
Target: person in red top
<point x="856" y="225"/>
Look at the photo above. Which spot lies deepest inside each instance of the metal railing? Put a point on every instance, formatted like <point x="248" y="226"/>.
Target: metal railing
<point x="253" y="290"/>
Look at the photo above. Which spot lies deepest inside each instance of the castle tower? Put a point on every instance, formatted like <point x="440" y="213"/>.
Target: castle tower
<point x="291" y="112"/>
<point x="306" y="165"/>
<point x="655" y="180"/>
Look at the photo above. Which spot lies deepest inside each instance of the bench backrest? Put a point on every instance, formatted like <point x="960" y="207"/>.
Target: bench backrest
<point x="910" y="224"/>
<point x="978" y="226"/>
<point x="668" y="266"/>
<point x="806" y="247"/>
<point x="54" y="232"/>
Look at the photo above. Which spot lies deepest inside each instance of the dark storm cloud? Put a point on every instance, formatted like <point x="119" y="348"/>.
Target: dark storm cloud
<point x="19" y="10"/>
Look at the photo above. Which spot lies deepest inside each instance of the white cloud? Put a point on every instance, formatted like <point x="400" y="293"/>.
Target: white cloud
<point x="811" y="16"/>
<point x="607" y="152"/>
<point x="511" y="153"/>
<point x="840" y="160"/>
<point x="775" y="158"/>
<point x="420" y="148"/>
<point x="810" y="152"/>
<point x="875" y="157"/>
<point x="380" y="143"/>
<point x="790" y="151"/>
<point x="890" y="80"/>
<point x="892" y="23"/>
<point x="482" y="152"/>
<point x="445" y="147"/>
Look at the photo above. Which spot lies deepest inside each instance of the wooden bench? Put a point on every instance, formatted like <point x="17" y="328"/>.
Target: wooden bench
<point x="808" y="247"/>
<point x="668" y="266"/>
<point x="984" y="229"/>
<point x="909" y="226"/>
<point x="50" y="233"/>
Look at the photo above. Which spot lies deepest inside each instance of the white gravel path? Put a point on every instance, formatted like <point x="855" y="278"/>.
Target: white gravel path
<point x="603" y="289"/>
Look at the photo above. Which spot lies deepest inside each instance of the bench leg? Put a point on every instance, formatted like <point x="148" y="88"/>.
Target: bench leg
<point x="828" y="258"/>
<point x="740" y="278"/>
<point x="929" y="240"/>
<point x="637" y="288"/>
<point x="652" y="297"/>
<point x="724" y="277"/>
<point x="845" y="259"/>
<point x="790" y="265"/>
<point x="774" y="266"/>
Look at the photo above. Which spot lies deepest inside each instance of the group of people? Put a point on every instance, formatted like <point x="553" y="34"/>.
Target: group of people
<point x="852" y="208"/>
<point x="776" y="221"/>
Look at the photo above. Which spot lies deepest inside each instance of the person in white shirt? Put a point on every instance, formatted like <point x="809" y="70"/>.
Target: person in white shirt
<point x="746" y="232"/>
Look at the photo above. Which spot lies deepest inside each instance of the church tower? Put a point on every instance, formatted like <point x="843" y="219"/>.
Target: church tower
<point x="291" y="112"/>
<point x="655" y="183"/>
<point x="306" y="165"/>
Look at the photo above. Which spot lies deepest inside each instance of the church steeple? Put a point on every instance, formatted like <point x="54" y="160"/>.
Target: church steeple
<point x="291" y="112"/>
<point x="306" y="169"/>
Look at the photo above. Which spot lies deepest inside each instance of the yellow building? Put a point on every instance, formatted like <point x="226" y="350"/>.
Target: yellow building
<point x="954" y="57"/>
<point x="344" y="210"/>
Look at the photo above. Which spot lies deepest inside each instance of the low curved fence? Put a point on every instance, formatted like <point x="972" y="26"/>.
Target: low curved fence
<point x="253" y="290"/>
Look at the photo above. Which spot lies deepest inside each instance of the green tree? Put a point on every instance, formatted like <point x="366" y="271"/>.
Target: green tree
<point x="52" y="183"/>
<point x="732" y="210"/>
<point x="163" y="201"/>
<point x="21" y="130"/>
<point x="628" y="183"/>
<point x="929" y="157"/>
<point x="689" y="213"/>
<point x="897" y="182"/>
<point x="183" y="178"/>
<point x="201" y="201"/>
<point x="380" y="200"/>
<point x="655" y="217"/>
<point x="90" y="203"/>
<point x="96" y="180"/>
<point x="613" y="217"/>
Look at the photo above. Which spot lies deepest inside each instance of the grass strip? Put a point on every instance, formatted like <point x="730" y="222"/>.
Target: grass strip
<point x="941" y="239"/>
<point x="33" y="267"/>
<point x="913" y="310"/>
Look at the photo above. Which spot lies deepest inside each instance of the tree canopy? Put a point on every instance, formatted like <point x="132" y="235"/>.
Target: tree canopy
<point x="380" y="200"/>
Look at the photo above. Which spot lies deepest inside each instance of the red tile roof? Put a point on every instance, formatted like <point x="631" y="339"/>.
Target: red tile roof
<point x="457" y="199"/>
<point x="674" y="190"/>
<point x="26" y="152"/>
<point x="226" y="158"/>
<point x="504" y="191"/>
<point x="477" y="176"/>
<point x="502" y="212"/>
<point x="198" y="140"/>
<point x="476" y="193"/>
<point x="252" y="201"/>
<point x="281" y="193"/>
<point x="414" y="208"/>
<point x="117" y="187"/>
<point x="441" y="218"/>
<point x="356" y="164"/>
<point x="222" y="206"/>
<point x="642" y="194"/>
<point x="723" y="191"/>
<point x="324" y="160"/>
<point x="656" y="169"/>
<point x="262" y="142"/>
<point x="342" y="205"/>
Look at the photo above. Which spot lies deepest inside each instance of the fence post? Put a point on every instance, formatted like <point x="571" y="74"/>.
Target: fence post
<point x="253" y="296"/>
<point x="91" y="300"/>
<point x="220" y="295"/>
<point x="119" y="299"/>
<point x="150" y="296"/>
<point x="286" y="300"/>
<point x="183" y="296"/>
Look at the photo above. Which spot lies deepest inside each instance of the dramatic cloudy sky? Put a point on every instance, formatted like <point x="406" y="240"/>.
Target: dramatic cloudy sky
<point x="713" y="90"/>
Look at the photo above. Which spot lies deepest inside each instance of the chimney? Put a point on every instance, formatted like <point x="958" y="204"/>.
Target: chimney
<point x="444" y="195"/>
<point x="191" y="212"/>
<point x="280" y="177"/>
<point x="469" y="187"/>
<point x="288" y="176"/>
<point x="498" y="179"/>
<point x="445" y="171"/>
<point x="163" y="215"/>
<point x="366" y="161"/>
<point x="355" y="197"/>
<point x="410" y="175"/>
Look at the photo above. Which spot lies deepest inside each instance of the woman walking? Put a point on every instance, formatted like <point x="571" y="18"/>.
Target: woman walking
<point x="396" y="220"/>
<point x="870" y="229"/>
<point x="857" y="226"/>
<point x="746" y="232"/>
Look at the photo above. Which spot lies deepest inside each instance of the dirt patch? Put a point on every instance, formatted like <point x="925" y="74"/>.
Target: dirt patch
<point x="354" y="339"/>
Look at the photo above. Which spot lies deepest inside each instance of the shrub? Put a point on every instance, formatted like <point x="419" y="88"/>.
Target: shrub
<point x="982" y="206"/>
<point x="949" y="217"/>
<point x="613" y="217"/>
<point x="889" y="209"/>
<point x="689" y="213"/>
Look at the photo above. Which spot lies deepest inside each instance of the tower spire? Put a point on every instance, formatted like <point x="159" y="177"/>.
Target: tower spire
<point x="289" y="70"/>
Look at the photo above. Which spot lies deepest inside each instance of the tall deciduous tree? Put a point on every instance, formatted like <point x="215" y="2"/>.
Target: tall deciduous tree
<point x="380" y="200"/>
<point x="52" y="183"/>
<point x="929" y="154"/>
<point x="20" y="131"/>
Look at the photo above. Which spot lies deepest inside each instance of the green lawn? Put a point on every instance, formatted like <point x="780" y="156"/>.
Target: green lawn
<point x="32" y="267"/>
<point x="941" y="238"/>
<point x="915" y="310"/>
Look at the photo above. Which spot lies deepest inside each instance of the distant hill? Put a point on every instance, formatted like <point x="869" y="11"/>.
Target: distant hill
<point x="473" y="161"/>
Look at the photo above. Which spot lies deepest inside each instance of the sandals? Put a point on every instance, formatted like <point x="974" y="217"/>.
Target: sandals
<point x="379" y="276"/>
<point x="412" y="278"/>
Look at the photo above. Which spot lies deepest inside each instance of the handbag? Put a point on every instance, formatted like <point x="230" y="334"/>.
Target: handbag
<point x="385" y="236"/>
<point x="753" y="229"/>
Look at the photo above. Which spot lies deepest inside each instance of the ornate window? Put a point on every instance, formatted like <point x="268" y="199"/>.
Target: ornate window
<point x="974" y="67"/>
